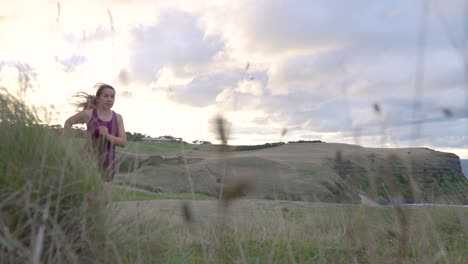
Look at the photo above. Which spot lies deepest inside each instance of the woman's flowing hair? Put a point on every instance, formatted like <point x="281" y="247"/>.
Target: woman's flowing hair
<point x="83" y="100"/>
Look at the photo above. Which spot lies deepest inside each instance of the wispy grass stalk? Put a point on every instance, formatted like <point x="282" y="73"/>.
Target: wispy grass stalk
<point x="46" y="183"/>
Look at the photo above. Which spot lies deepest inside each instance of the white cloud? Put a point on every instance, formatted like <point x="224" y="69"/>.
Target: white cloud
<point x="323" y="72"/>
<point x="315" y="67"/>
<point x="250" y="86"/>
<point x="176" y="42"/>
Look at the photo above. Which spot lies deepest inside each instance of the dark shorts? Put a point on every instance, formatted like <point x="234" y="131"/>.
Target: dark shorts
<point x="108" y="175"/>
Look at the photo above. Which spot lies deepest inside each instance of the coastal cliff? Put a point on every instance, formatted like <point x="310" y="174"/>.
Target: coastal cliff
<point x="323" y="172"/>
<point x="417" y="175"/>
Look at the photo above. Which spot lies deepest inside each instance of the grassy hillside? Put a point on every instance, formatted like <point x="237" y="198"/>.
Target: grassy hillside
<point x="161" y="148"/>
<point x="309" y="172"/>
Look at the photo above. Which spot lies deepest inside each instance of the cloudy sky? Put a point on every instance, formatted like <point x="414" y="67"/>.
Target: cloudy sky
<point x="374" y="73"/>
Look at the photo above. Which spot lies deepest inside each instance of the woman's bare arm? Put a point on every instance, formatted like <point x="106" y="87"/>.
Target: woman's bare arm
<point x="79" y="118"/>
<point x="121" y="139"/>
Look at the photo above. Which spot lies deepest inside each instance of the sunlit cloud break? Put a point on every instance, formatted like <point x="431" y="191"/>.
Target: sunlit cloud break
<point x="316" y="68"/>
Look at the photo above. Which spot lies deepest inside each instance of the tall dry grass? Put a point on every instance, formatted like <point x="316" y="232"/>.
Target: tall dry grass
<point x="290" y="233"/>
<point x="51" y="209"/>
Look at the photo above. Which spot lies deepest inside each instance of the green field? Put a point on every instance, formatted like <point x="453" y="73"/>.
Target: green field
<point x="160" y="148"/>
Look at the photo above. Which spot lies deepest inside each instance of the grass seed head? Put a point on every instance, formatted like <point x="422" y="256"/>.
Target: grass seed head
<point x="447" y="112"/>
<point x="235" y="190"/>
<point x="338" y="156"/>
<point x="376" y="108"/>
<point x="222" y="131"/>
<point x="187" y="213"/>
<point x="283" y="132"/>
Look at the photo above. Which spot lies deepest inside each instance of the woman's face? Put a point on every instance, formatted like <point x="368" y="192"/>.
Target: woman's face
<point x="106" y="99"/>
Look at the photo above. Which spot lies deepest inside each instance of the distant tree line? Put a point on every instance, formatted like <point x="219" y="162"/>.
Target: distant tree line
<point x="81" y="133"/>
<point x="201" y="142"/>
<point x="58" y="129"/>
<point x="306" y="141"/>
<point x="135" y="136"/>
<point x="254" y="147"/>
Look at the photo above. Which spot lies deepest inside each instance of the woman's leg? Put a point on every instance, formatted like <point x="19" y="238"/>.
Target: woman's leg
<point x="108" y="176"/>
<point x="107" y="191"/>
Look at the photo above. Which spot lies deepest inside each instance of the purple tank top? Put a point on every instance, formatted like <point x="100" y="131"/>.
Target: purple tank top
<point x="104" y="150"/>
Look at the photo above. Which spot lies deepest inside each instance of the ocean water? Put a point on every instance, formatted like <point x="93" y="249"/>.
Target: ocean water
<point x="464" y="164"/>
